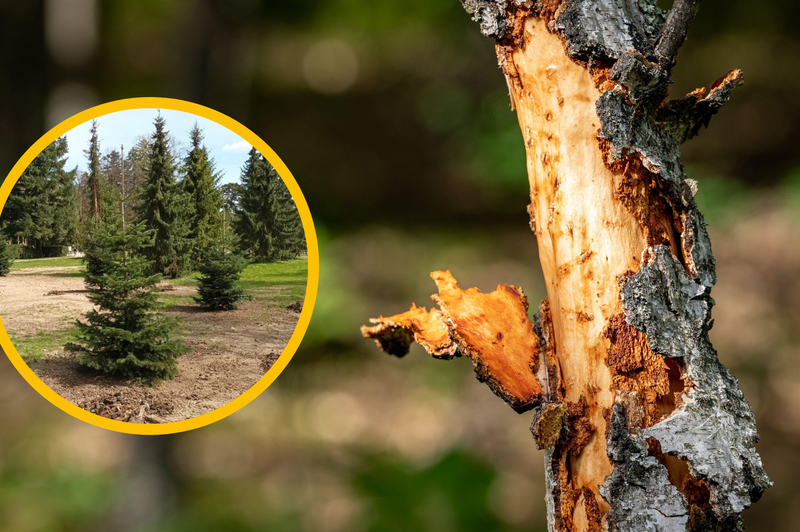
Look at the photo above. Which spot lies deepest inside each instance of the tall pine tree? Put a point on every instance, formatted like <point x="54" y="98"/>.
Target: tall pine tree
<point x="41" y="211"/>
<point x="288" y="237"/>
<point x="205" y="199"/>
<point x="255" y="215"/>
<point x="163" y="207"/>
<point x="125" y="335"/>
<point x="136" y="168"/>
<point x="98" y="189"/>
<point x="266" y="219"/>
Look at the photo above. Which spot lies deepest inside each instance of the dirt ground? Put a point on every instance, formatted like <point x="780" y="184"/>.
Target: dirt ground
<point x="230" y="351"/>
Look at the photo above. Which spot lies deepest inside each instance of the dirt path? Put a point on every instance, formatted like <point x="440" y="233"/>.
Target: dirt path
<point x="230" y="351"/>
<point x="28" y="310"/>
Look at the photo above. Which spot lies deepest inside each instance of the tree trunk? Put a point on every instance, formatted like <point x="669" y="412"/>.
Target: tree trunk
<point x="644" y="429"/>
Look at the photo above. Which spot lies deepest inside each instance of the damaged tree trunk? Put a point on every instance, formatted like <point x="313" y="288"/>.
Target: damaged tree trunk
<point x="644" y="429"/>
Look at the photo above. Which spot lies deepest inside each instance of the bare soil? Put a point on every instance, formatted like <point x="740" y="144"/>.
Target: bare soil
<point x="230" y="351"/>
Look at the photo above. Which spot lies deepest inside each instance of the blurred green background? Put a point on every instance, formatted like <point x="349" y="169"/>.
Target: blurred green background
<point x="395" y="121"/>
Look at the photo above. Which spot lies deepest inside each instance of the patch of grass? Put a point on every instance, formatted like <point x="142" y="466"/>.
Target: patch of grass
<point x="168" y="300"/>
<point x="260" y="281"/>
<point x="80" y="273"/>
<point x="291" y="276"/>
<point x="36" y="346"/>
<point x="56" y="262"/>
<point x="187" y="279"/>
<point x="277" y="273"/>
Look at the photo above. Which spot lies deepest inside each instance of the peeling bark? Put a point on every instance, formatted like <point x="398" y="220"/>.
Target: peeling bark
<point x="492" y="329"/>
<point x="644" y="429"/>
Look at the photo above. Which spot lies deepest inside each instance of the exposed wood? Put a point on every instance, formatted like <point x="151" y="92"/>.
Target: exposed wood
<point x="395" y="333"/>
<point x="492" y="329"/>
<point x="644" y="428"/>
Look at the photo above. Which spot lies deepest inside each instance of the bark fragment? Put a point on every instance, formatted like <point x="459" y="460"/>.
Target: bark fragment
<point x="491" y="15"/>
<point x="548" y="422"/>
<point x="495" y="332"/>
<point x="492" y="329"/>
<point x="395" y="333"/>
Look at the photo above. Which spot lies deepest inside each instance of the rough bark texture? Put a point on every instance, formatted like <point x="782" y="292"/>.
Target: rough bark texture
<point x="644" y="429"/>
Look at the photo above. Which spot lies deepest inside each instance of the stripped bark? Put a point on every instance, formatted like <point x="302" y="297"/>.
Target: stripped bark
<point x="644" y="429"/>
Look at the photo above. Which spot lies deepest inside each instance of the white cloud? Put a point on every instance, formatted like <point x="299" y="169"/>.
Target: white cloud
<point x="242" y="145"/>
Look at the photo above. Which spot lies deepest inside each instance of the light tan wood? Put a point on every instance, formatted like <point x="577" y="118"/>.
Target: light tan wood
<point x="586" y="236"/>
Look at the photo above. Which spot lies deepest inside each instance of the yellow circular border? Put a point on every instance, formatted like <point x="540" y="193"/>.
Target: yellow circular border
<point x="311" y="243"/>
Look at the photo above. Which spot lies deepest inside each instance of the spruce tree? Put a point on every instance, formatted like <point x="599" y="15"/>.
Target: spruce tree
<point x="98" y="258"/>
<point x="220" y="270"/>
<point x="6" y="260"/>
<point x="205" y="200"/>
<point x="98" y="189"/>
<point x="41" y="211"/>
<point x="137" y="164"/>
<point x="255" y="216"/>
<point x="287" y="233"/>
<point x="114" y="170"/>
<point x="125" y="335"/>
<point x="267" y="220"/>
<point x="163" y="207"/>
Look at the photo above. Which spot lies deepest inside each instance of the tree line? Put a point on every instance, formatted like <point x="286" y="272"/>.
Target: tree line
<point x="179" y="198"/>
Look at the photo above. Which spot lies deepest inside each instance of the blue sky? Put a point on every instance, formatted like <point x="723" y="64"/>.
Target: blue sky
<point x="227" y="149"/>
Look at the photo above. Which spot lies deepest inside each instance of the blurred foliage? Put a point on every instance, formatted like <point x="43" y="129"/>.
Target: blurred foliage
<point x="395" y="120"/>
<point x="449" y="495"/>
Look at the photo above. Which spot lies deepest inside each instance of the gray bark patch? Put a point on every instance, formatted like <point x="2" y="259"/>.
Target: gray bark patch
<point x="714" y="430"/>
<point x="608" y="28"/>
<point x="491" y="16"/>
<point x="641" y="497"/>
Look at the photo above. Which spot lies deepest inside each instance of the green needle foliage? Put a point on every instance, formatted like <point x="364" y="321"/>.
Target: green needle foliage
<point x="256" y="217"/>
<point x="125" y="336"/>
<point x="288" y="237"/>
<point x="99" y="191"/>
<point x="163" y="208"/>
<point x="220" y="270"/>
<point x="6" y="260"/>
<point x="205" y="199"/>
<point x="267" y="221"/>
<point x="42" y="210"/>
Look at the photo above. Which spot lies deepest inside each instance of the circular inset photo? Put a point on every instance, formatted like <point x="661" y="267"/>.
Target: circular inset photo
<point x="158" y="266"/>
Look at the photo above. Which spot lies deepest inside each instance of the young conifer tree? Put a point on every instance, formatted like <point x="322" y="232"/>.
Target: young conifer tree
<point x="205" y="200"/>
<point x="220" y="270"/>
<point x="125" y="335"/>
<point x="163" y="207"/>
<point x="6" y="260"/>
